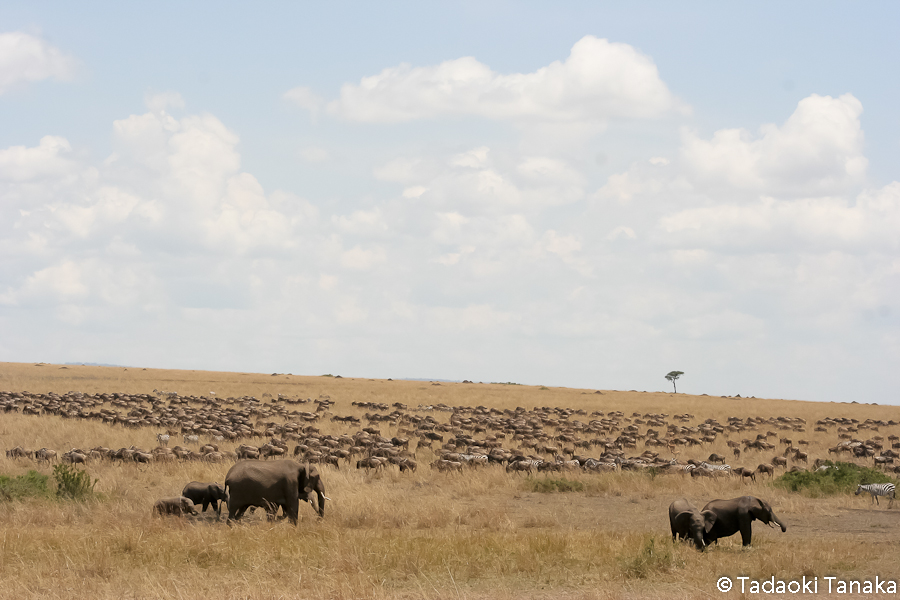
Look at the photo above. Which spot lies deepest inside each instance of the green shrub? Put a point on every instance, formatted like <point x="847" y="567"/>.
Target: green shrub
<point x="654" y="557"/>
<point x="841" y="478"/>
<point x="72" y="483"/>
<point x="30" y="485"/>
<point x="548" y="485"/>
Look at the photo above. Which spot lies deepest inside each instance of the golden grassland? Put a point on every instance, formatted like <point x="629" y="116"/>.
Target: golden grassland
<point x="480" y="534"/>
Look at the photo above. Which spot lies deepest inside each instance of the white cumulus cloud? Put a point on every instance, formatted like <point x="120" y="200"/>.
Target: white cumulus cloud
<point x="50" y="159"/>
<point x="598" y="81"/>
<point x="818" y="150"/>
<point x="872" y="221"/>
<point x="25" y="59"/>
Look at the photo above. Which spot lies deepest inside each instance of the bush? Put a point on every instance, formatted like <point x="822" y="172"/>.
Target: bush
<point x="548" y="485"/>
<point x="840" y="478"/>
<point x="72" y="483"/>
<point x="653" y="558"/>
<point x="30" y="485"/>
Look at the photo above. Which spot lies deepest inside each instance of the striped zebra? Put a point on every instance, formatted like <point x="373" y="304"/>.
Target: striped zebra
<point x="162" y="438"/>
<point x="526" y="465"/>
<point x="720" y="468"/>
<point x="680" y="469"/>
<point x="474" y="460"/>
<point x="704" y="469"/>
<point x="592" y="464"/>
<point x="878" y="489"/>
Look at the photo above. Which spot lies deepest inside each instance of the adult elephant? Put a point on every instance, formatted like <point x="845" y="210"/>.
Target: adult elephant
<point x="206" y="494"/>
<point x="270" y="484"/>
<point x="688" y="523"/>
<point x="736" y="515"/>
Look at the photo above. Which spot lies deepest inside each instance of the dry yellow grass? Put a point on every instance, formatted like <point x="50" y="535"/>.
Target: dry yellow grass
<point x="482" y="534"/>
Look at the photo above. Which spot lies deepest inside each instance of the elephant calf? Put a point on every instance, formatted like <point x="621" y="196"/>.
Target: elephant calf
<point x="206" y="494"/>
<point x="177" y="506"/>
<point x="688" y="523"/>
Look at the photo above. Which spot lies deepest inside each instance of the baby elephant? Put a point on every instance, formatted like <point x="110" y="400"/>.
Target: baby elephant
<point x="177" y="506"/>
<point x="689" y="523"/>
<point x="206" y="494"/>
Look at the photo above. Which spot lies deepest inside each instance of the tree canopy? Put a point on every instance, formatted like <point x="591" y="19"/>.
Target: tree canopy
<point x="672" y="376"/>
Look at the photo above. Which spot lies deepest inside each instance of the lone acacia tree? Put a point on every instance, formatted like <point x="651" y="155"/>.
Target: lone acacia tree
<point x="672" y="376"/>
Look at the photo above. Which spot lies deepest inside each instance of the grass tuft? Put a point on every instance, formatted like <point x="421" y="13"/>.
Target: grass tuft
<point x="656" y="556"/>
<point x="548" y="485"/>
<point x="72" y="483"/>
<point x="30" y="485"/>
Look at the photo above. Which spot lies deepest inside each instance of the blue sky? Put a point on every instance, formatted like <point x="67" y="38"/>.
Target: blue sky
<point x="587" y="196"/>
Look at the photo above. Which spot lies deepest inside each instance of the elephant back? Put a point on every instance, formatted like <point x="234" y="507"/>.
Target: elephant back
<point x="251" y="481"/>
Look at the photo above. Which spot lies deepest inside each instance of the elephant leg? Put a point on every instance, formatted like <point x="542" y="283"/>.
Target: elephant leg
<point x="746" y="533"/>
<point x="292" y="510"/>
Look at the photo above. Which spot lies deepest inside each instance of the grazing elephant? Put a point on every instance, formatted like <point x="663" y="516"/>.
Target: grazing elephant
<point x="688" y="523"/>
<point x="206" y="494"/>
<point x="177" y="506"/>
<point x="736" y="515"/>
<point x="270" y="484"/>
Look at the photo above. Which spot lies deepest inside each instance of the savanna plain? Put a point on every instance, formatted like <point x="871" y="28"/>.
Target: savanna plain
<point x="482" y="532"/>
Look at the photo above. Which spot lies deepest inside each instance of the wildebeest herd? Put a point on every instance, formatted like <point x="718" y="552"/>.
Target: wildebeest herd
<point x="277" y="446"/>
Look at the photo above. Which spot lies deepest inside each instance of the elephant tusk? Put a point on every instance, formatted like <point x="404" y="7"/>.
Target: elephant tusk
<point x="327" y="498"/>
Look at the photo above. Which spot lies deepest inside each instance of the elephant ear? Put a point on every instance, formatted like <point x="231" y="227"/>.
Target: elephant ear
<point x="683" y="520"/>
<point x="710" y="518"/>
<point x="760" y="510"/>
<point x="312" y="477"/>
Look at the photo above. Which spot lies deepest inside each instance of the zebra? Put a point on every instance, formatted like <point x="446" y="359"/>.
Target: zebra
<point x="708" y="470"/>
<point x="474" y="460"/>
<point x="680" y="469"/>
<point x="592" y="464"/>
<point x="878" y="489"/>
<point x="191" y="439"/>
<point x="524" y="464"/>
<point x="163" y="438"/>
<point x="723" y="468"/>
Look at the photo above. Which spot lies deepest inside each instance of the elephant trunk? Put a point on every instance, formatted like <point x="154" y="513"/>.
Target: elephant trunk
<point x="778" y="521"/>
<point x="700" y="543"/>
<point x="321" y="498"/>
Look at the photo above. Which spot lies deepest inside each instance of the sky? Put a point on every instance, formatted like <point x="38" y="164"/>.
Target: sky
<point x="581" y="194"/>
